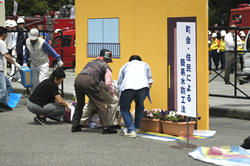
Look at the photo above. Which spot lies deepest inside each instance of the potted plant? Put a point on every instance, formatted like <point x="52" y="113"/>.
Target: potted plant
<point x="174" y="124"/>
<point x="151" y="121"/>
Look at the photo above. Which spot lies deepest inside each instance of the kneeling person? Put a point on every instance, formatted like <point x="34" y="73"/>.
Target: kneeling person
<point x="46" y="101"/>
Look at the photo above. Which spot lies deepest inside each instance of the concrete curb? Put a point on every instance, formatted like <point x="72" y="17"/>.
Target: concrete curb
<point x="229" y="112"/>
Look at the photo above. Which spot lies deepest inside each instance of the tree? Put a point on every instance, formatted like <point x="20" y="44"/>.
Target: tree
<point x="34" y="7"/>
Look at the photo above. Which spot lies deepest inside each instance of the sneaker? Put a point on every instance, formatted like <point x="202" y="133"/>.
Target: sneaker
<point x="130" y="135"/>
<point x="39" y="120"/>
<point x="124" y="130"/>
<point x="243" y="82"/>
<point x="5" y="106"/>
<point x="44" y="120"/>
<point x="76" y="129"/>
<point x="108" y="130"/>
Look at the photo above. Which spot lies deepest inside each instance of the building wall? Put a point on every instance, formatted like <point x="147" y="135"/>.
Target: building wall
<point x="143" y="31"/>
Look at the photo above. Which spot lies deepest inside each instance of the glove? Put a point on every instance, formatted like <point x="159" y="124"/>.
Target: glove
<point x="60" y="63"/>
<point x="218" y="51"/>
<point x="25" y="65"/>
<point x="68" y="106"/>
<point x="18" y="66"/>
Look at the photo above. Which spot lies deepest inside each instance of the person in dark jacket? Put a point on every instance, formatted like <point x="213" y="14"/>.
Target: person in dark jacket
<point x="86" y="83"/>
<point x="46" y="101"/>
<point x="22" y="35"/>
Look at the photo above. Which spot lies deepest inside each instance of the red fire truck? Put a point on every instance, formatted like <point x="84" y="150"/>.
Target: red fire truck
<point x="240" y="16"/>
<point x="52" y="25"/>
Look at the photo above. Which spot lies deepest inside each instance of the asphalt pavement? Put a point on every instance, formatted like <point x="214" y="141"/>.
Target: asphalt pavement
<point x="25" y="143"/>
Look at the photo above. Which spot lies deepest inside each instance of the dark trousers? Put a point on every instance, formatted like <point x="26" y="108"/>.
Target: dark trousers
<point x="86" y="85"/>
<point x="127" y="96"/>
<point x="222" y="59"/>
<point x="210" y="59"/>
<point x="215" y="58"/>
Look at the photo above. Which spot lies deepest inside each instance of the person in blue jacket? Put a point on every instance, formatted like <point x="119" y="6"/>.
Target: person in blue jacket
<point x="43" y="34"/>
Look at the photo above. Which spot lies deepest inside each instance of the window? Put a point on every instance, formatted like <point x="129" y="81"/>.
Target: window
<point x="56" y="42"/>
<point x="103" y="33"/>
<point x="66" y="42"/>
<point x="237" y="19"/>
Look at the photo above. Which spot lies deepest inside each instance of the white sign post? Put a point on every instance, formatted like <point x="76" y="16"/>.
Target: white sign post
<point x="2" y="13"/>
<point x="186" y="71"/>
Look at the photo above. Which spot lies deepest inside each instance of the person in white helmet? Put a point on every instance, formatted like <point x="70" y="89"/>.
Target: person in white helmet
<point x="214" y="47"/>
<point x="240" y="48"/>
<point x="14" y="74"/>
<point x="21" y="37"/>
<point x="8" y="38"/>
<point x="37" y="49"/>
<point x="222" y="49"/>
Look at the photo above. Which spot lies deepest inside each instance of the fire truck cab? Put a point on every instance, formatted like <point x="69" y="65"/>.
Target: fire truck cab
<point x="240" y="16"/>
<point x="65" y="46"/>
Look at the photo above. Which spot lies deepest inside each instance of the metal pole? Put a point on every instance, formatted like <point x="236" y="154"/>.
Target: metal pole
<point x="61" y="33"/>
<point x="187" y="134"/>
<point x="235" y="64"/>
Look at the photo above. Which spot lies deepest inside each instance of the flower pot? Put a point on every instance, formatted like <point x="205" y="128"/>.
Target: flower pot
<point x="151" y="125"/>
<point x="178" y="128"/>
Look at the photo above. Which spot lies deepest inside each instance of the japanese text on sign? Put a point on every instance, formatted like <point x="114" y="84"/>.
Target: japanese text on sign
<point x="186" y="69"/>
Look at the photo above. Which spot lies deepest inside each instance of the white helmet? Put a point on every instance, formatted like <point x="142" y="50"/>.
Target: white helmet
<point x="242" y="34"/>
<point x="223" y="33"/>
<point x="214" y="35"/>
<point x="7" y="22"/>
<point x="20" y="20"/>
<point x="209" y="32"/>
<point x="13" y="23"/>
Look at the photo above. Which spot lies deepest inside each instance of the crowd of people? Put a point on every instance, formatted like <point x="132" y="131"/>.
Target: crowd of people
<point x="110" y="99"/>
<point x="221" y="47"/>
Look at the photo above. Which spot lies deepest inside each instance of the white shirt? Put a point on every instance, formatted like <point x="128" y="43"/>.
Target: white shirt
<point x="9" y="40"/>
<point x="230" y="42"/>
<point x="134" y="75"/>
<point x="14" y="39"/>
<point x="3" y="50"/>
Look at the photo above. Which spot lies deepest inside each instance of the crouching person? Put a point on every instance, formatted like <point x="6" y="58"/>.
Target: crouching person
<point x="46" y="101"/>
<point x="86" y="83"/>
<point x="112" y="102"/>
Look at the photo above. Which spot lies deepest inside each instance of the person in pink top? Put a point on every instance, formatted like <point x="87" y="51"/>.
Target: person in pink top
<point x="86" y="83"/>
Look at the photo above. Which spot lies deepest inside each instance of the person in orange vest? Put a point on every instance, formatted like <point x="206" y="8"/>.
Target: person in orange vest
<point x="222" y="49"/>
<point x="214" y="47"/>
